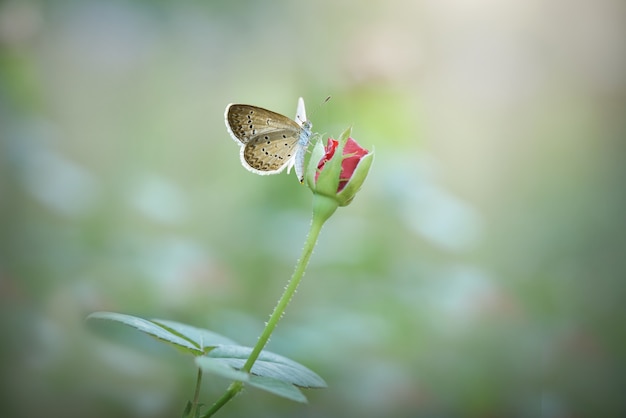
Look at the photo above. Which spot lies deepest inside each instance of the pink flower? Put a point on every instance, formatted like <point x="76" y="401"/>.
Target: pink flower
<point x="336" y="177"/>
<point x="352" y="155"/>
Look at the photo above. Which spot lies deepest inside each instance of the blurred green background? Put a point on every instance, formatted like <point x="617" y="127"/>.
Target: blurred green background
<point x="479" y="273"/>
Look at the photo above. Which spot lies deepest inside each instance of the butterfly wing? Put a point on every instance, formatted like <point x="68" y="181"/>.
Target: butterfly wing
<point x="301" y="112"/>
<point x="269" y="139"/>
<point x="245" y="122"/>
<point x="270" y="152"/>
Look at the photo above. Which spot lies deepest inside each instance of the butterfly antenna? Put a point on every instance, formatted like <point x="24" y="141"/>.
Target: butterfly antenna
<point x="320" y="105"/>
<point x="323" y="103"/>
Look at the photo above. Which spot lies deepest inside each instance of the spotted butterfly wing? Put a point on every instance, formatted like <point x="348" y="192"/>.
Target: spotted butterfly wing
<point x="269" y="141"/>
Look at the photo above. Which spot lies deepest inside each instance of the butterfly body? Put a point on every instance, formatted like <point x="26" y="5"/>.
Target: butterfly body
<point x="270" y="142"/>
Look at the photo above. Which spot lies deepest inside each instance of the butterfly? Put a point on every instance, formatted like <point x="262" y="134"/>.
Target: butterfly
<point x="269" y="141"/>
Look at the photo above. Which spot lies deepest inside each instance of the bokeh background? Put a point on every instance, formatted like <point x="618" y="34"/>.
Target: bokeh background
<point x="479" y="273"/>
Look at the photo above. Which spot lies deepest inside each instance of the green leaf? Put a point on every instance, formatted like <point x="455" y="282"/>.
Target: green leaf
<point x="219" y="368"/>
<point x="269" y="365"/>
<point x="187" y="411"/>
<point x="195" y="341"/>
<point x="200" y="336"/>
<point x="316" y="155"/>
<point x="278" y="387"/>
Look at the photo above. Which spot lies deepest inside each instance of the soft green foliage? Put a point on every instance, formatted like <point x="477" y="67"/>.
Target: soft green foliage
<point x="193" y="340"/>
<point x="277" y="387"/>
<point x="218" y="355"/>
<point x="203" y="338"/>
<point x="269" y="365"/>
<point x="218" y="367"/>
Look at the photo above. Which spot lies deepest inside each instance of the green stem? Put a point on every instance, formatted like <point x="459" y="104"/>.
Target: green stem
<point x="196" y="394"/>
<point x="290" y="290"/>
<point x="323" y="208"/>
<point x="230" y="393"/>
